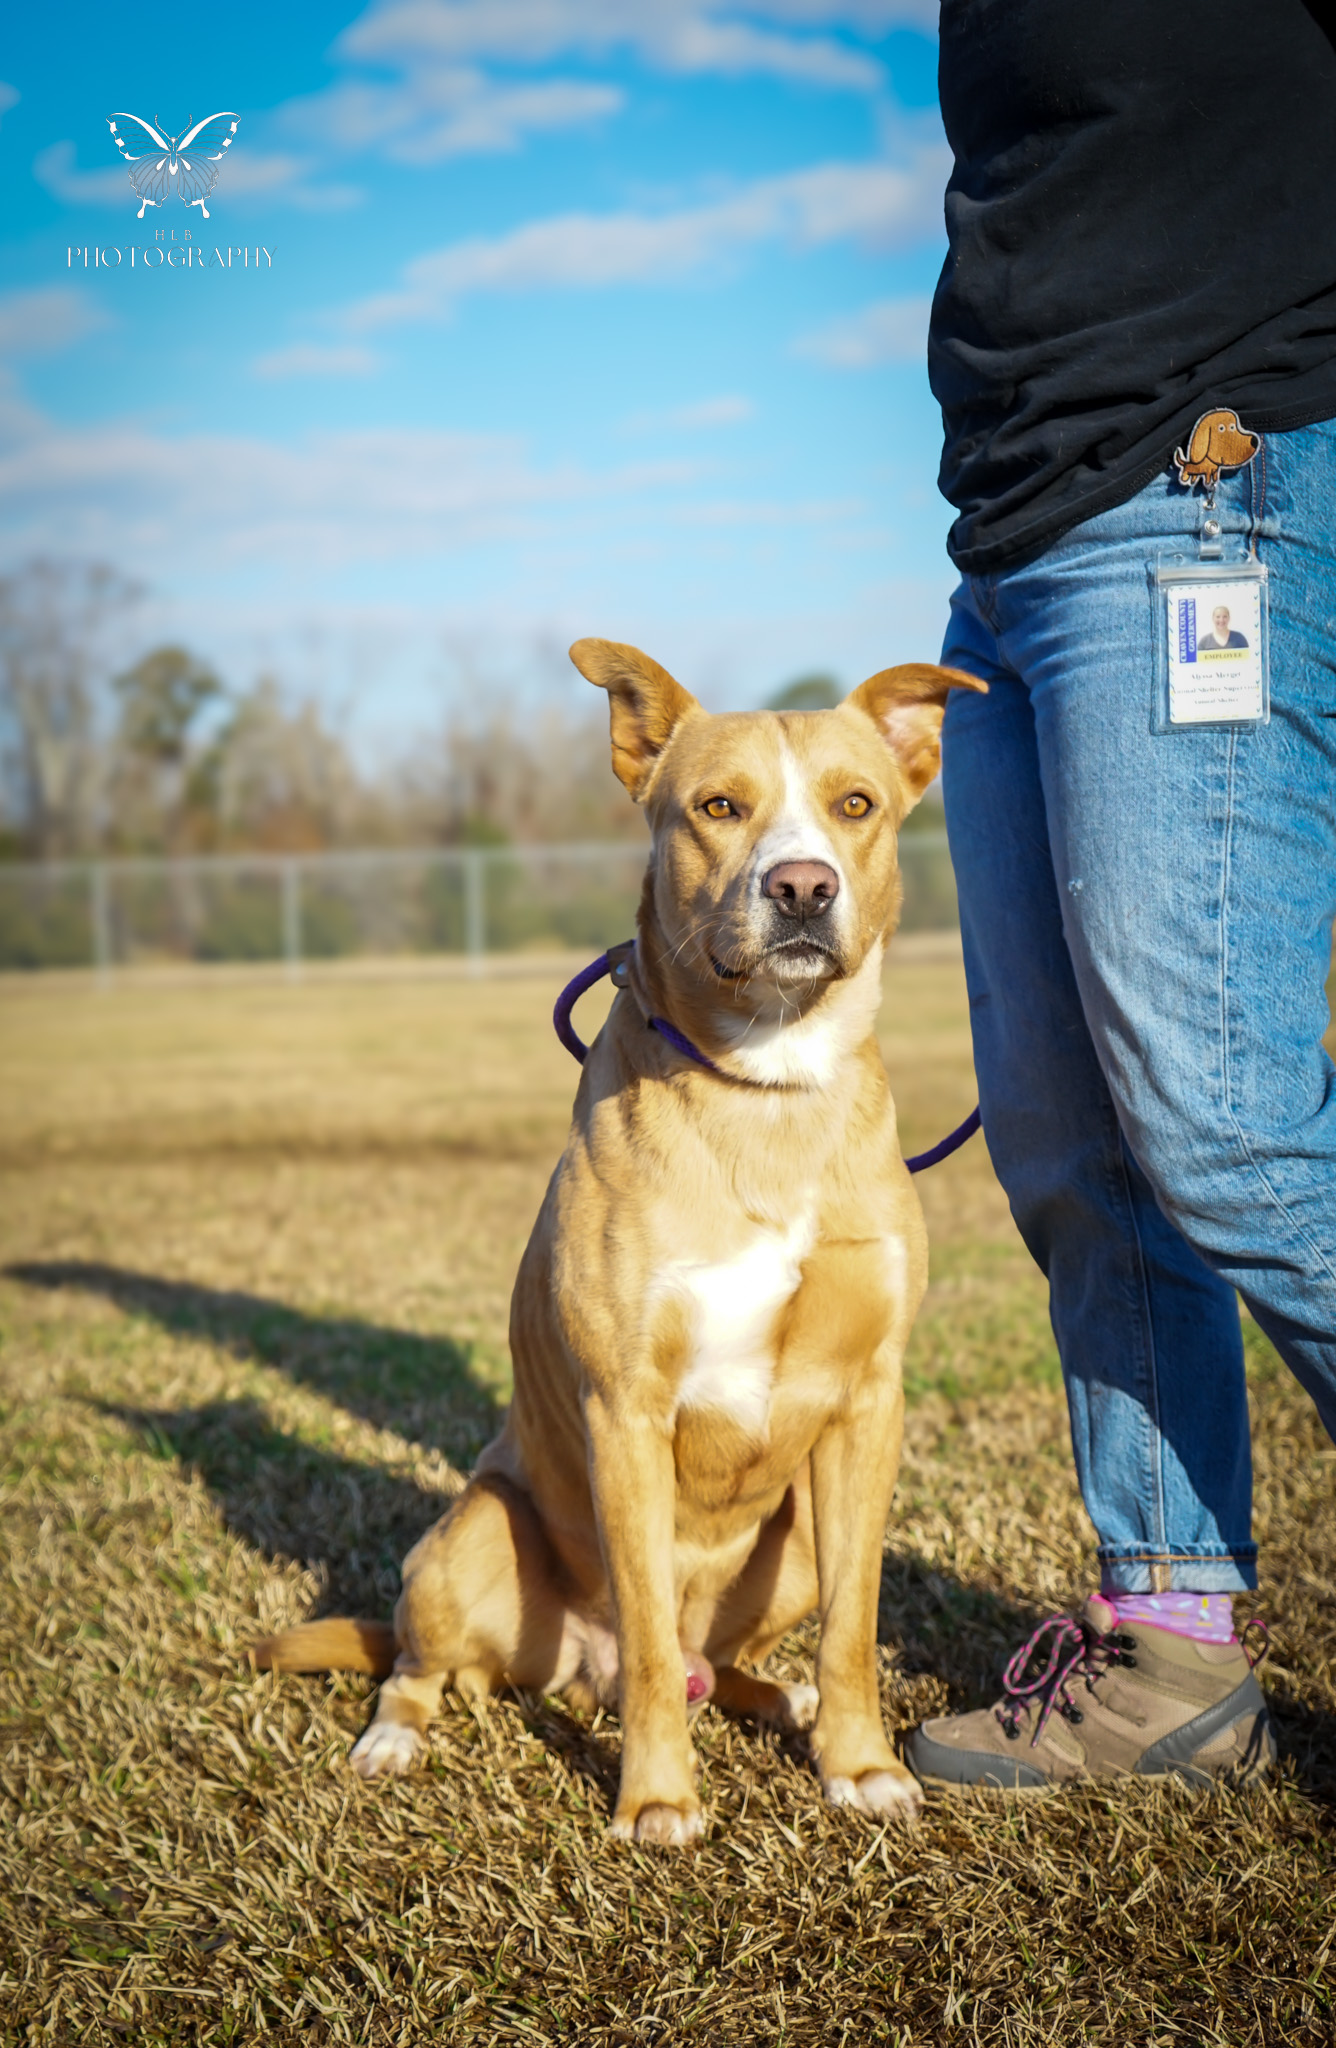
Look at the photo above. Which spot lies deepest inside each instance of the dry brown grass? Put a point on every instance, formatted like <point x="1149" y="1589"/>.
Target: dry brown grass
<point x="259" y="1243"/>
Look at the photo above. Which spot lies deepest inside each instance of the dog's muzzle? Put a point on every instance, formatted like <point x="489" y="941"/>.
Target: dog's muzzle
<point x="802" y="934"/>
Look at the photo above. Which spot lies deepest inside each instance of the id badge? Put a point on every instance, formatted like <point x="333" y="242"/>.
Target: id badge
<point x="1212" y="654"/>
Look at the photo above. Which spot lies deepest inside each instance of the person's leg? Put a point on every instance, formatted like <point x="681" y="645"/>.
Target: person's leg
<point x="1197" y="877"/>
<point x="1194" y="876"/>
<point x="1148" y="1335"/>
<point x="1141" y="1323"/>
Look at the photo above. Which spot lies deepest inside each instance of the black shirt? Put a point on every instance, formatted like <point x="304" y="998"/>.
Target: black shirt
<point x="1142" y="226"/>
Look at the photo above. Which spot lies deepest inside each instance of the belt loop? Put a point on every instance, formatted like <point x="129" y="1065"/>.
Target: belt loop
<point x="1257" y="493"/>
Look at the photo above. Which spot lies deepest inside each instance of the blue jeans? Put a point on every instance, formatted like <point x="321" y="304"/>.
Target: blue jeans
<point x="1147" y="923"/>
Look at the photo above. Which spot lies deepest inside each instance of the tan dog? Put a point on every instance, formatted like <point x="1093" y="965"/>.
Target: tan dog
<point x="709" y="1319"/>
<point x="1217" y="442"/>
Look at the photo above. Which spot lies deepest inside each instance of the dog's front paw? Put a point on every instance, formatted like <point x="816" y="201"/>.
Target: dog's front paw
<point x="387" y="1750"/>
<point x="670" y="1826"/>
<point x="894" y="1793"/>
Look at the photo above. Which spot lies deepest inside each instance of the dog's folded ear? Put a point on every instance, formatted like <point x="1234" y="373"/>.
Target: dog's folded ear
<point x="646" y="706"/>
<point x="906" y="705"/>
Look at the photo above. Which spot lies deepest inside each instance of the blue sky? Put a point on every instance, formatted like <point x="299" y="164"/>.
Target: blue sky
<point x="584" y="316"/>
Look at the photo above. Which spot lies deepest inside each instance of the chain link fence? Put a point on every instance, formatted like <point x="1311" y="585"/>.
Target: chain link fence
<point x="473" y="904"/>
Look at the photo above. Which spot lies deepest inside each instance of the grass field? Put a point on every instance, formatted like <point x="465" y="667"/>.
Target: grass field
<point x="257" y="1245"/>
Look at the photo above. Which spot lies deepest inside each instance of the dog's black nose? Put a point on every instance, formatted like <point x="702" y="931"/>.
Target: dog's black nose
<point x="802" y="888"/>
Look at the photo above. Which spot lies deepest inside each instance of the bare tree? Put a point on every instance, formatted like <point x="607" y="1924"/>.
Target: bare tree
<point x="544" y="776"/>
<point x="278" y="777"/>
<point x="55" y="621"/>
<point x="161" y="698"/>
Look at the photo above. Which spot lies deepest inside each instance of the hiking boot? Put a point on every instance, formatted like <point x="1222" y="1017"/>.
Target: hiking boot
<point x="1093" y="1698"/>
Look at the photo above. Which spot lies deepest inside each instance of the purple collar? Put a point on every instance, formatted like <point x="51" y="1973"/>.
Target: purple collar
<point x="617" y="961"/>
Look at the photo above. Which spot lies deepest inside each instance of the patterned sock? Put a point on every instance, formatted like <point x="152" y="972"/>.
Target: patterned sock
<point x="1207" y="1617"/>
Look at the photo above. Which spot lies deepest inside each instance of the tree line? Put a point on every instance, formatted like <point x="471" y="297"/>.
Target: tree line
<point x="160" y="755"/>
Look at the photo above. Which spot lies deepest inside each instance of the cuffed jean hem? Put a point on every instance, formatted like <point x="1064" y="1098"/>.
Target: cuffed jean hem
<point x="1142" y="1569"/>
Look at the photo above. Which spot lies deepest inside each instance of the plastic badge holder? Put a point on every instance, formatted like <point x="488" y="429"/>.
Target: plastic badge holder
<point x="1212" y="652"/>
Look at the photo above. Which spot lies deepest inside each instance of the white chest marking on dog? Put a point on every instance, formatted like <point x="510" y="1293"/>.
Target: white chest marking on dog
<point x="805" y="1052"/>
<point x="734" y="1306"/>
<point x="809" y="1051"/>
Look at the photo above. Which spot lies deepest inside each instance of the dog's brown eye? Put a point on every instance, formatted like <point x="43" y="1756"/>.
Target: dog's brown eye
<point x="856" y="806"/>
<point x="718" y="807"/>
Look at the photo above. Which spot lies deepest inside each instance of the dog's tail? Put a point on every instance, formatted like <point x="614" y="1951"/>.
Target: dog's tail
<point x="333" y="1645"/>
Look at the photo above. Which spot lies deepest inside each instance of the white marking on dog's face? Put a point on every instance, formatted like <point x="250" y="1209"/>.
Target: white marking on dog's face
<point x="733" y="1309"/>
<point x="388" y="1749"/>
<point x="797" y="831"/>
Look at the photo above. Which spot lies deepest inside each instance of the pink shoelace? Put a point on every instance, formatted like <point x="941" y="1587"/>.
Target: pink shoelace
<point x="1070" y="1650"/>
<point x="1073" y="1649"/>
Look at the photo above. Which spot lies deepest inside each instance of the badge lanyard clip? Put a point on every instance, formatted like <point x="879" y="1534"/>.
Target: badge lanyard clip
<point x="1216" y="442"/>
<point x="1210" y="547"/>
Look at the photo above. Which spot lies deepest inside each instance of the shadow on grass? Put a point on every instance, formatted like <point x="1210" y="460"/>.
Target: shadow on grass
<point x="427" y="1389"/>
<point x="292" y="1499"/>
<point x="964" y="1634"/>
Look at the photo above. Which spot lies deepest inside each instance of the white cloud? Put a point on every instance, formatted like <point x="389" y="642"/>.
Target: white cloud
<point x="723" y="37"/>
<point x="753" y="512"/>
<point x="457" y="86"/>
<point x="867" y="17"/>
<point x="58" y="170"/>
<point x="327" y="502"/>
<point x="893" y="331"/>
<point x="879" y="203"/>
<point x="311" y="359"/>
<point x="736" y="49"/>
<point x="47" y="318"/>
<point x="250" y="176"/>
<point x="9" y="97"/>
<point x="701" y="416"/>
<point x="498" y="118"/>
<point x="247" y="174"/>
<point x="437" y="112"/>
<point x="289" y="516"/>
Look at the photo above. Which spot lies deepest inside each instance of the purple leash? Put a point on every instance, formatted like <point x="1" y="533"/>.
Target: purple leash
<point x="615" y="962"/>
<point x="944" y="1147"/>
